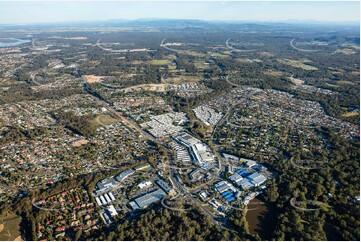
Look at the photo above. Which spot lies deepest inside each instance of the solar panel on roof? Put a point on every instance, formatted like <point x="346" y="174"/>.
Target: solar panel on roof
<point x="231" y="199"/>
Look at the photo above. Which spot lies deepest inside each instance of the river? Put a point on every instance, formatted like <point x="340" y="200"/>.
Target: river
<point x="13" y="42"/>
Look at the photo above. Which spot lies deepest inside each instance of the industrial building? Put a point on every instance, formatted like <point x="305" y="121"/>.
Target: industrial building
<point x="236" y="178"/>
<point x="246" y="184"/>
<point x="257" y="179"/>
<point x="250" y="163"/>
<point x="224" y="186"/>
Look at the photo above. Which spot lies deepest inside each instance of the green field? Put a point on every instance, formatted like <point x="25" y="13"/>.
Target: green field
<point x="160" y="62"/>
<point x="103" y="119"/>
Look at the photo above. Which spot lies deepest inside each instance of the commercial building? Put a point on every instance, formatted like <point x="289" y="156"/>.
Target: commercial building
<point x="107" y="198"/>
<point x="98" y="201"/>
<point x="103" y="200"/>
<point x="162" y="184"/>
<point x="111" y="196"/>
<point x="150" y="198"/>
<point x="196" y="174"/>
<point x="200" y="152"/>
<point x="112" y="211"/>
<point x="144" y="184"/>
<point x="121" y="176"/>
<point x="133" y="205"/>
<point x="106" y="184"/>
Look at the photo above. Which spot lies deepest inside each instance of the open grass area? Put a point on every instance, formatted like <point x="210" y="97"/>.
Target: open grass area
<point x="345" y="83"/>
<point x="332" y="85"/>
<point x="10" y="228"/>
<point x="199" y="64"/>
<point x="182" y="79"/>
<point x="160" y="62"/>
<point x="192" y="53"/>
<point x="224" y="54"/>
<point x="273" y="73"/>
<point x="349" y="114"/>
<point x="103" y="120"/>
<point x="298" y="64"/>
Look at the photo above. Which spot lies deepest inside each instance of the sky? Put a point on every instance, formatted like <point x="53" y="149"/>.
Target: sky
<point x="17" y="12"/>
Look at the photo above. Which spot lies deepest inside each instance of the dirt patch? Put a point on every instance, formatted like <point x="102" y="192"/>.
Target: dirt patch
<point x="1" y="227"/>
<point x="94" y="79"/>
<point x="80" y="142"/>
<point x="18" y="239"/>
<point x="296" y="81"/>
<point x="273" y="73"/>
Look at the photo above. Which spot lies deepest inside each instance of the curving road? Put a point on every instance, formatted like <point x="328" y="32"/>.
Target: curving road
<point x="299" y="49"/>
<point x="234" y="49"/>
<point x="167" y="48"/>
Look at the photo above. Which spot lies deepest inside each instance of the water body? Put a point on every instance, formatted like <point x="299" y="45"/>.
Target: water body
<point x="260" y="218"/>
<point x="7" y="42"/>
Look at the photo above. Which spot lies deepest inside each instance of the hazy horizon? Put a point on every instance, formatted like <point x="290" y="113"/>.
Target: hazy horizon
<point x="57" y="12"/>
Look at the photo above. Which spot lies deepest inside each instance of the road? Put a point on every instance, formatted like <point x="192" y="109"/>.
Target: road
<point x="109" y="50"/>
<point x="303" y="50"/>
<point x="234" y="49"/>
<point x="167" y="48"/>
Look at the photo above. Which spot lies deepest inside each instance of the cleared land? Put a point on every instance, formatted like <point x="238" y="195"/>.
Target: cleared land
<point x="160" y="62"/>
<point x="10" y="228"/>
<point x="80" y="142"/>
<point x="182" y="79"/>
<point x="350" y="114"/>
<point x="103" y="120"/>
<point x="273" y="73"/>
<point x="346" y="51"/>
<point x="93" y="79"/>
<point x="147" y="87"/>
<point x="298" y="64"/>
<point x="296" y="81"/>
